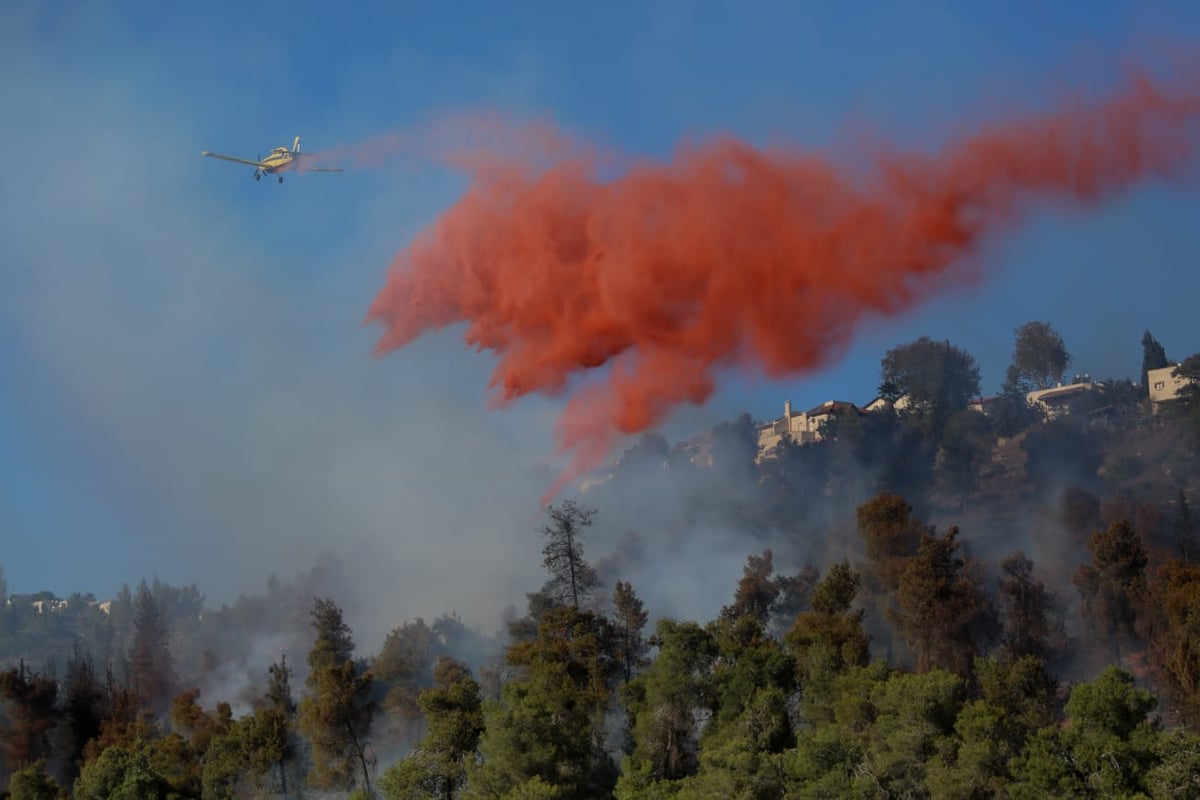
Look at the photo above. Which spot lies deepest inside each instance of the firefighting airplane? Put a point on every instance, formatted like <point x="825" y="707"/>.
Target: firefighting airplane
<point x="280" y="159"/>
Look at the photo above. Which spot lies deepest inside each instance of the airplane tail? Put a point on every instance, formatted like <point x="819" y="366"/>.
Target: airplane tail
<point x="296" y="147"/>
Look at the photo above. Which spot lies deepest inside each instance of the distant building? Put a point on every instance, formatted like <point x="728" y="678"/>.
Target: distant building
<point x="1058" y="399"/>
<point x="49" y="603"/>
<point x="43" y="606"/>
<point x="1163" y="385"/>
<point x="984" y="405"/>
<point x="880" y="403"/>
<point x="803" y="427"/>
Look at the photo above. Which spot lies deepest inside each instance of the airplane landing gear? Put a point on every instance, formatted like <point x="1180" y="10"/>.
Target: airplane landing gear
<point x="257" y="177"/>
<point x="281" y="179"/>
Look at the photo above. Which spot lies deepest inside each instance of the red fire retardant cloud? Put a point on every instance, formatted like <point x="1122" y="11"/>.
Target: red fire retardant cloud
<point x="732" y="256"/>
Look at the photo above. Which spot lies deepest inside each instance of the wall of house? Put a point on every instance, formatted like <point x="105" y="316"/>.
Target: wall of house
<point x="1163" y="386"/>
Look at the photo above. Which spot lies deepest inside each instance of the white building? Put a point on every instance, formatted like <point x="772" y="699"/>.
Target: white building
<point x="1163" y="385"/>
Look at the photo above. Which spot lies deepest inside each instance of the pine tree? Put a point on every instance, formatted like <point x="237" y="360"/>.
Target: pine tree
<point x="83" y="708"/>
<point x="572" y="580"/>
<point x="1153" y="357"/>
<point x="270" y="735"/>
<point x="630" y="617"/>
<point x="337" y="711"/>
<point x="151" y="672"/>
<point x="1113" y="586"/>
<point x="548" y="725"/>
<point x="829" y="638"/>
<point x="1026" y="605"/>
<point x="942" y="612"/>
<point x="31" y="703"/>
<point x="437" y="767"/>
<point x="755" y="592"/>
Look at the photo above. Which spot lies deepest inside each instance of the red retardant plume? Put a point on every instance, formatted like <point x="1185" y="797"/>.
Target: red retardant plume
<point x="732" y="256"/>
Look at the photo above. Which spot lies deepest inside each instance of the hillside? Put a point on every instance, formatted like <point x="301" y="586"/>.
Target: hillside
<point x="995" y="584"/>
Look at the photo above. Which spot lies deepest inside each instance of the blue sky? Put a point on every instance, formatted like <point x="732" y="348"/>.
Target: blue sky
<point x="189" y="389"/>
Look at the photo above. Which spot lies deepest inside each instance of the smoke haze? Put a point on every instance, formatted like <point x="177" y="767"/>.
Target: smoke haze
<point x="200" y="367"/>
<point x="731" y="256"/>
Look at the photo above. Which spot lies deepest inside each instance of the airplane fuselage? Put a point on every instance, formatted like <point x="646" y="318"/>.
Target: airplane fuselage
<point x="277" y="162"/>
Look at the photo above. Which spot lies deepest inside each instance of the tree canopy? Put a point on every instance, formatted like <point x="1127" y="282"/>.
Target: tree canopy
<point x="1039" y="355"/>
<point x="938" y="377"/>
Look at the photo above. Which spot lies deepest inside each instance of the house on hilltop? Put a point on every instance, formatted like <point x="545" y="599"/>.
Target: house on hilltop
<point x="1163" y="385"/>
<point x="804" y="427"/>
<point x="984" y="405"/>
<point x="1059" y="399"/>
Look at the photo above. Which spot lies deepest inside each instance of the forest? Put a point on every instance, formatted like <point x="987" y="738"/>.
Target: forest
<point x="934" y="602"/>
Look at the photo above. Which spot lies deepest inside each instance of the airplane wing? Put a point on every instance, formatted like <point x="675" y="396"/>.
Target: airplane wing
<point x="232" y="158"/>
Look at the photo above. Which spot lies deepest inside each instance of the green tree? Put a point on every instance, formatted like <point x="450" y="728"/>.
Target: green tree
<point x="224" y="764"/>
<point x="261" y="746"/>
<point x="1174" y="775"/>
<point x="151" y="669"/>
<point x="1173" y="634"/>
<point x="792" y="594"/>
<point x="336" y="713"/>
<point x="1153" y="357"/>
<point x="1105" y="750"/>
<point x="403" y="667"/>
<point x="892" y="535"/>
<point x="30" y="701"/>
<point x="1039" y="355"/>
<point x="942" y="611"/>
<point x="748" y="664"/>
<point x="938" y="378"/>
<point x="755" y="592"/>
<point x="547" y="728"/>
<point x="824" y="763"/>
<point x="828" y="639"/>
<point x="1113" y="586"/>
<point x="1023" y="689"/>
<point x="1027" y="610"/>
<point x="437" y="767"/>
<point x="122" y="772"/>
<point x="745" y="757"/>
<point x="83" y="710"/>
<point x="976" y="760"/>
<point x="1011" y="410"/>
<point x="188" y="718"/>
<point x="676" y="689"/>
<point x="32" y="783"/>
<point x="629" y="616"/>
<point x="915" y="715"/>
<point x="965" y="448"/>
<point x="889" y="392"/>
<point x="572" y="580"/>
